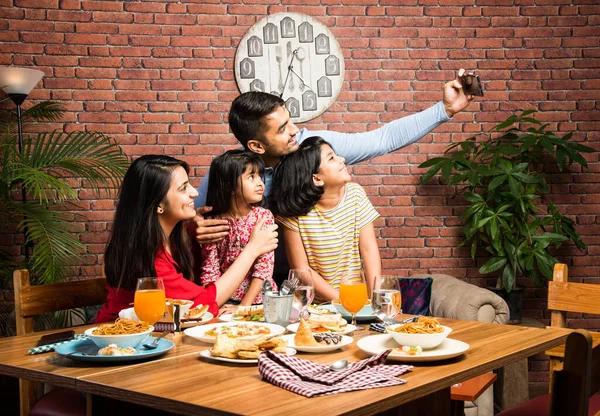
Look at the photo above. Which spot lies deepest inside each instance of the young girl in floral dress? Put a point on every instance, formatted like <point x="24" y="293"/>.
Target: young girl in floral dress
<point x="235" y="193"/>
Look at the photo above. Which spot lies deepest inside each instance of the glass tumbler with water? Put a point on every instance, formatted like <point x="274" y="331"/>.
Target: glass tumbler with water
<point x="387" y="300"/>
<point x="305" y="291"/>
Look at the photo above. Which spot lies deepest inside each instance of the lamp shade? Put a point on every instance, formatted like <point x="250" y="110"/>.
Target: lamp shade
<point x="19" y="80"/>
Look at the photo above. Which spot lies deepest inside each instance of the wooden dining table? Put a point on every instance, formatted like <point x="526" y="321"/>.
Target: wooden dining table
<point x="183" y="382"/>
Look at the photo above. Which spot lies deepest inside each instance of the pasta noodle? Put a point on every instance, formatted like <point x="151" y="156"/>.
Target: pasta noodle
<point x="122" y="326"/>
<point x="424" y="325"/>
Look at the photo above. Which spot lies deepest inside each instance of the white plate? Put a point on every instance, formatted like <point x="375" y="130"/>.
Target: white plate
<point x="198" y="332"/>
<point x="228" y="317"/>
<point x="318" y="348"/>
<point x="374" y="344"/>
<point x="348" y="329"/>
<point x="187" y="323"/>
<point x="206" y="354"/>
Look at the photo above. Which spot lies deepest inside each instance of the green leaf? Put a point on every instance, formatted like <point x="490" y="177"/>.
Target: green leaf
<point x="496" y="182"/>
<point x="527" y="112"/>
<point x="508" y="278"/>
<point x="508" y="122"/>
<point x="493" y="264"/>
<point x="433" y="161"/>
<point x="552" y="237"/>
<point x="515" y="188"/>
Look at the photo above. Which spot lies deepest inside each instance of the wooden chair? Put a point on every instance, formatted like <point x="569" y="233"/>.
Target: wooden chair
<point x="34" y="300"/>
<point x="573" y="383"/>
<point x="564" y="297"/>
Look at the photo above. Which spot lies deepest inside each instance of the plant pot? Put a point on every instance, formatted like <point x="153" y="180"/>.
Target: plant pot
<point x="514" y="299"/>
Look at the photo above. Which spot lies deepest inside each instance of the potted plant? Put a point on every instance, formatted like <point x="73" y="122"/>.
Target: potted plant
<point x="501" y="176"/>
<point x="43" y="168"/>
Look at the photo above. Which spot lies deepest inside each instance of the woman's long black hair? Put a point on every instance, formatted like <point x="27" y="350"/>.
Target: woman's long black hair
<point x="224" y="177"/>
<point x="137" y="235"/>
<point x="294" y="192"/>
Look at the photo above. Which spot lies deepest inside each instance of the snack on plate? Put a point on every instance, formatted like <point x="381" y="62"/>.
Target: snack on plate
<point x="122" y="326"/>
<point x="406" y="350"/>
<point x="197" y="312"/>
<point x="327" y="323"/>
<point x="238" y="330"/>
<point x="304" y="336"/>
<point x="113" y="350"/>
<point x="318" y="310"/>
<point x="424" y="325"/>
<point x="227" y="347"/>
<point x="249" y="313"/>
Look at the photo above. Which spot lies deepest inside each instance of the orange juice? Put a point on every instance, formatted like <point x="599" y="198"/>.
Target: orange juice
<point x="397" y="300"/>
<point x="353" y="296"/>
<point x="149" y="305"/>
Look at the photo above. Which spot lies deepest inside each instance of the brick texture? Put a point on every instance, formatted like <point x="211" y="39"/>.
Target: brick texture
<point x="158" y="77"/>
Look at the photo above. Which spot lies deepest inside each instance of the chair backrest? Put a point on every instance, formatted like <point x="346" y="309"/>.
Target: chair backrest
<point x="35" y="300"/>
<point x="579" y="377"/>
<point x="564" y="296"/>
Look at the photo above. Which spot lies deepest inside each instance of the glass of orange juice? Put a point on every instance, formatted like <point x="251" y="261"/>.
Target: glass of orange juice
<point x="149" y="300"/>
<point x="353" y="293"/>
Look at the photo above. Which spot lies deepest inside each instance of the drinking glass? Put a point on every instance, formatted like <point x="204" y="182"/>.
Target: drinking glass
<point x="387" y="300"/>
<point x="353" y="293"/>
<point x="149" y="301"/>
<point x="305" y="291"/>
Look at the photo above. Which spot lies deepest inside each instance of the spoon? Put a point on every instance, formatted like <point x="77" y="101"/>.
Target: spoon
<point x="336" y="366"/>
<point x="267" y="287"/>
<point x="154" y="343"/>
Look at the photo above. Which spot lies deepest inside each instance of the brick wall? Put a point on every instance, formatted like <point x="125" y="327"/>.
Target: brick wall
<point x="157" y="76"/>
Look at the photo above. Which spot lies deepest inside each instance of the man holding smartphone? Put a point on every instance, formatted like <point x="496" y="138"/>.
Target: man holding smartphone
<point x="262" y="124"/>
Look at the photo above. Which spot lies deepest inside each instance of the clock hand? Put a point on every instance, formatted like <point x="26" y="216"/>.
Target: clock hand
<point x="290" y="69"/>
<point x="303" y="84"/>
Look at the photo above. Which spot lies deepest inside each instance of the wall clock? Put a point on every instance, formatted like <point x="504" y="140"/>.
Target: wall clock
<point x="294" y="56"/>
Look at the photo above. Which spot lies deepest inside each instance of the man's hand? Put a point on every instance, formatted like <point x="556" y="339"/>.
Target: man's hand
<point x="208" y="231"/>
<point x="455" y="100"/>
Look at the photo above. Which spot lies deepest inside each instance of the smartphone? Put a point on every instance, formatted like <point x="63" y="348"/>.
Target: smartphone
<point x="56" y="337"/>
<point x="471" y="85"/>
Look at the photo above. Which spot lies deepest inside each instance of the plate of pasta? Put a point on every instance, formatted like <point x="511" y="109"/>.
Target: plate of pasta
<point x="123" y="332"/>
<point x="374" y="344"/>
<point x="426" y="332"/>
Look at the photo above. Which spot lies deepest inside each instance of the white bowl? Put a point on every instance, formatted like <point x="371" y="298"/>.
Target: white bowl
<point x="122" y="341"/>
<point x="425" y="341"/>
<point x="184" y="306"/>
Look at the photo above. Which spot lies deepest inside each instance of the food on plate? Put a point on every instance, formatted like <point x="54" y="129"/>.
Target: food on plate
<point x="227" y="347"/>
<point x="406" y="350"/>
<point x="113" y="350"/>
<point x="249" y="313"/>
<point x="122" y="326"/>
<point x="319" y="310"/>
<point x="179" y="301"/>
<point x="238" y="330"/>
<point x="327" y="323"/>
<point x="328" y="338"/>
<point x="424" y="325"/>
<point x="197" y="312"/>
<point x="304" y="335"/>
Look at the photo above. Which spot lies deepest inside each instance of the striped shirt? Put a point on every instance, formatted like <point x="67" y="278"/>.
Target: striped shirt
<point x="330" y="237"/>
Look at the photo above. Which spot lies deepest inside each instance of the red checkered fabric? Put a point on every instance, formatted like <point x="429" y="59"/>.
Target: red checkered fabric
<point x="310" y="379"/>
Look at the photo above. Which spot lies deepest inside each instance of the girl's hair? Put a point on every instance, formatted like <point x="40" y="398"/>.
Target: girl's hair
<point x="137" y="235"/>
<point x="294" y="192"/>
<point x="224" y="177"/>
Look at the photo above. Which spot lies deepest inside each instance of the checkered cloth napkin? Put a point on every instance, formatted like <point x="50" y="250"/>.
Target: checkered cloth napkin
<point x="51" y="347"/>
<point x="309" y="379"/>
<point x="377" y="327"/>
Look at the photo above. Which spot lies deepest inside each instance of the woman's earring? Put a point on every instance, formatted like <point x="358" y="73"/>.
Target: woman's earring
<point x="160" y="210"/>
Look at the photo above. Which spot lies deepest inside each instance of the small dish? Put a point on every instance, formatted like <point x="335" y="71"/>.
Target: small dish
<point x="80" y="351"/>
<point x="374" y="344"/>
<point x="346" y="340"/>
<point x="122" y="341"/>
<point x="206" y="354"/>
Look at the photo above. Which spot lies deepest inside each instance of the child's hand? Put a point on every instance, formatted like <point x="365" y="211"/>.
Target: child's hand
<point x="208" y="231"/>
<point x="263" y="238"/>
<point x="228" y="308"/>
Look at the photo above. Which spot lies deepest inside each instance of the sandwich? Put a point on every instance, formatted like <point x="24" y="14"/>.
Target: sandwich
<point x="197" y="312"/>
<point x="304" y="336"/>
<point x="249" y="313"/>
<point x="324" y="323"/>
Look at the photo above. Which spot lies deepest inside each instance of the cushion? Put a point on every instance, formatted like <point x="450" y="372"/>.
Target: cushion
<point x="540" y="406"/>
<point x="416" y="295"/>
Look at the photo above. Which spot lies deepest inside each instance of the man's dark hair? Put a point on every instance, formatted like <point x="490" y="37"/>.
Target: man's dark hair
<point x="247" y="111"/>
<point x="294" y="192"/>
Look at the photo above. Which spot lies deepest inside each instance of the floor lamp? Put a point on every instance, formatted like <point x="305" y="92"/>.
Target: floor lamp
<point x="17" y="83"/>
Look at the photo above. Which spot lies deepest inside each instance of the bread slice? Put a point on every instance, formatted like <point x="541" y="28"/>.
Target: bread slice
<point x="224" y="347"/>
<point x="197" y="312"/>
<point x="304" y="336"/>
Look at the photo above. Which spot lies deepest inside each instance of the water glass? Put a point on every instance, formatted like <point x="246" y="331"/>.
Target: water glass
<point x="305" y="291"/>
<point x="387" y="300"/>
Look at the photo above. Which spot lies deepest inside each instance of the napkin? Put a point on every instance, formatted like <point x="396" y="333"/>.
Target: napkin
<point x="307" y="378"/>
<point x="128" y="313"/>
<point x="51" y="347"/>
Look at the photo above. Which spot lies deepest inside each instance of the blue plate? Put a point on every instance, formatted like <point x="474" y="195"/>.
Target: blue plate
<point x="364" y="315"/>
<point x="80" y="350"/>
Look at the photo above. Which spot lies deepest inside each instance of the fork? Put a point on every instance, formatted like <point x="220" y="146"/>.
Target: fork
<point x="279" y="58"/>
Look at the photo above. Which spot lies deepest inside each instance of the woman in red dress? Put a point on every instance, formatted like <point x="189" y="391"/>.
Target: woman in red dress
<point x="149" y="239"/>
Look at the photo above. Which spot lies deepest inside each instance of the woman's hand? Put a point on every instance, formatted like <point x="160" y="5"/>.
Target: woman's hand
<point x="228" y="308"/>
<point x="263" y="239"/>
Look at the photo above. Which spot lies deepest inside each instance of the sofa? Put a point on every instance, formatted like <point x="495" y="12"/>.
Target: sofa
<point x="456" y="299"/>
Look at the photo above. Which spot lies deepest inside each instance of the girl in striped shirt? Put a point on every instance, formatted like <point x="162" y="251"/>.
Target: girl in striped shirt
<point x="327" y="219"/>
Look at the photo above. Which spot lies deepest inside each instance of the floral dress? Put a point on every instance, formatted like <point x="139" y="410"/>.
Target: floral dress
<point x="218" y="257"/>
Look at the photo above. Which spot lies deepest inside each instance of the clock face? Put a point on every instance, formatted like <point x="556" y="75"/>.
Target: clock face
<point x="294" y="56"/>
